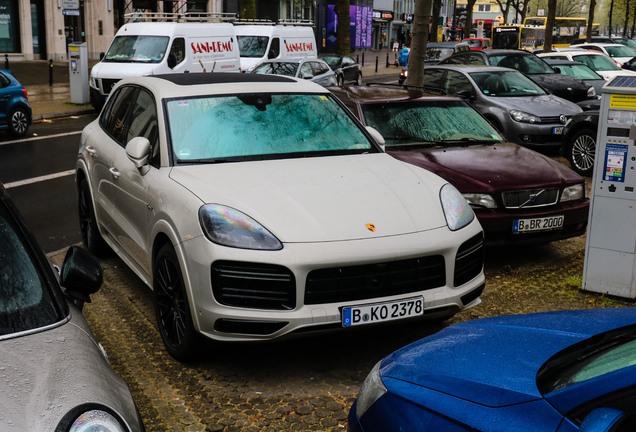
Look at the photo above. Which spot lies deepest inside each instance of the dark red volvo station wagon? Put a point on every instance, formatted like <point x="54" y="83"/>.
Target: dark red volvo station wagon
<point x="519" y="196"/>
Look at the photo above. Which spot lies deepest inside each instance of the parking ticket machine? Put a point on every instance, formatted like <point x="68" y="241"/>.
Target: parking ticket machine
<point x="610" y="251"/>
<point x="78" y="72"/>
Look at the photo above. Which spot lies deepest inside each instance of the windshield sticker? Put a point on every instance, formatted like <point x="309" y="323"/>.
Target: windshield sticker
<point x="182" y="103"/>
<point x="184" y="152"/>
<point x="323" y="97"/>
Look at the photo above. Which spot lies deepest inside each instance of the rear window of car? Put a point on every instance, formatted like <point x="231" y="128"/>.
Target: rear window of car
<point x="506" y="84"/>
<point x="620" y="51"/>
<point x="596" y="62"/>
<point x="254" y="126"/>
<point x="25" y="301"/>
<point x="528" y="64"/>
<point x="579" y="71"/>
<point x="277" y="68"/>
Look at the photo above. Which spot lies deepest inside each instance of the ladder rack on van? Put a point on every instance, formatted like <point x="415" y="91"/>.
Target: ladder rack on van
<point x="285" y="22"/>
<point x="206" y="17"/>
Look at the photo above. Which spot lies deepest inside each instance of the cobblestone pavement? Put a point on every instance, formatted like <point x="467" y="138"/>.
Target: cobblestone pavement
<point x="300" y="384"/>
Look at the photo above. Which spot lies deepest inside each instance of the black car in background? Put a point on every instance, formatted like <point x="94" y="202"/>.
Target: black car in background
<point x="435" y="53"/>
<point x="345" y="68"/>
<point x="566" y="87"/>
<point x="579" y="141"/>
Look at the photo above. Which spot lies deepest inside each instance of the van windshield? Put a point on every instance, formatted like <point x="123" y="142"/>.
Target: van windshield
<point x="137" y="49"/>
<point x="253" y="46"/>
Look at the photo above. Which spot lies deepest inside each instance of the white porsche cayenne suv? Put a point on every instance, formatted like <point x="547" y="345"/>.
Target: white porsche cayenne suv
<point x="256" y="206"/>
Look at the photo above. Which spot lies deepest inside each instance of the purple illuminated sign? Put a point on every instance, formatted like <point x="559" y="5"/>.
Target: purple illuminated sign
<point x="360" y="26"/>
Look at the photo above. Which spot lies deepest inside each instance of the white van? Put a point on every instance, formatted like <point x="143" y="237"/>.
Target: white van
<point x="151" y="48"/>
<point x="268" y="40"/>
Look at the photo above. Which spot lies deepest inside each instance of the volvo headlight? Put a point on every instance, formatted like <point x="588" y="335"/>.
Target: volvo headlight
<point x="480" y="200"/>
<point x="524" y="117"/>
<point x="96" y="421"/>
<point x="457" y="211"/>
<point x="591" y="92"/>
<point x="573" y="193"/>
<point x="229" y="227"/>
<point x="372" y="389"/>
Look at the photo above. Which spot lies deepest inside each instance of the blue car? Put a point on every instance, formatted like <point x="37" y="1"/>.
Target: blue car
<point x="556" y="371"/>
<point x="15" y="111"/>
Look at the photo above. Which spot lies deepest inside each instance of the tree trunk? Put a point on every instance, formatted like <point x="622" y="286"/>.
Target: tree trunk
<point x="590" y="21"/>
<point x="247" y="9"/>
<point x="611" y="11"/>
<point x="631" y="34"/>
<point x="469" y="18"/>
<point x="417" y="55"/>
<point x="626" y="19"/>
<point x="549" y="25"/>
<point x="437" y="6"/>
<point x="504" y="8"/>
<point x="343" y="31"/>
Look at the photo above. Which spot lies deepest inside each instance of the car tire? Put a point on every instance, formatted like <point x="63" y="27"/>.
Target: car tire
<point x="359" y="79"/>
<point x="172" y="309"/>
<point x="340" y="81"/>
<point x="18" y="122"/>
<point x="582" y="150"/>
<point x="91" y="238"/>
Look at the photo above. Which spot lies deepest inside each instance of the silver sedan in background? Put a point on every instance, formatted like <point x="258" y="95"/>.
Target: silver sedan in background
<point x="314" y="70"/>
<point x="516" y="106"/>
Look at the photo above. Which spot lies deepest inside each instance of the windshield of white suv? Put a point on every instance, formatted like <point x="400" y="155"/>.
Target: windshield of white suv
<point x="506" y="84"/>
<point x="137" y="49"/>
<point x="252" y="46"/>
<point x="25" y="302"/>
<point x="250" y="126"/>
<point x="428" y="123"/>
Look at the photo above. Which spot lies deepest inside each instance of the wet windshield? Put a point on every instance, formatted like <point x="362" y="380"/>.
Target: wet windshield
<point x="506" y="84"/>
<point x="253" y="46"/>
<point x="251" y="126"/>
<point x="579" y="71"/>
<point x="137" y="49"/>
<point x="429" y="123"/>
<point x="25" y="302"/>
<point x="598" y="62"/>
<point x="527" y="64"/>
<point x="277" y="68"/>
<point x="620" y="51"/>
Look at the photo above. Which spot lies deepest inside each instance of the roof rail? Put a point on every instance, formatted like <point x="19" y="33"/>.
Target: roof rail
<point x="285" y="22"/>
<point x="292" y="22"/>
<point x="206" y="17"/>
<point x="410" y="87"/>
<point x="245" y="21"/>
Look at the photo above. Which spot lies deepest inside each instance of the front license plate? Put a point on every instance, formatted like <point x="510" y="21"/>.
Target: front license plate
<point x="378" y="312"/>
<point x="557" y="130"/>
<point x="537" y="224"/>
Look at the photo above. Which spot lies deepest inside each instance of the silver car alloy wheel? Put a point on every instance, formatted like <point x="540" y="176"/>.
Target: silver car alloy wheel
<point x="19" y="122"/>
<point x="583" y="152"/>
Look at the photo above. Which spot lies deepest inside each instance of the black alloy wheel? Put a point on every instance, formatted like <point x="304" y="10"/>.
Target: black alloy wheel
<point x="171" y="306"/>
<point x="91" y="238"/>
<point x="582" y="150"/>
<point x="19" y="122"/>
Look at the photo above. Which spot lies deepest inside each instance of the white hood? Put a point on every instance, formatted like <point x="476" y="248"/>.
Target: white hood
<point x="323" y="198"/>
<point x="121" y="70"/>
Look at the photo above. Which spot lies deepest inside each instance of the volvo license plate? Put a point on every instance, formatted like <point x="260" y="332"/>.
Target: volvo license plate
<point x="537" y="224"/>
<point x="378" y="312"/>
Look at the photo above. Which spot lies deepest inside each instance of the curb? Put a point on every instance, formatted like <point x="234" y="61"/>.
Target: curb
<point x="62" y="114"/>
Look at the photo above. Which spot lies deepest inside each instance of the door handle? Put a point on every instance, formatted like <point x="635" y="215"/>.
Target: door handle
<point x="114" y="172"/>
<point x="91" y="151"/>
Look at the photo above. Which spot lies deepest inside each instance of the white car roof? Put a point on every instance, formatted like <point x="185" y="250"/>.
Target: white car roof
<point x="220" y="83"/>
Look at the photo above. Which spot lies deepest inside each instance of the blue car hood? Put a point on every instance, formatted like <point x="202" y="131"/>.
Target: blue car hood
<point x="494" y="361"/>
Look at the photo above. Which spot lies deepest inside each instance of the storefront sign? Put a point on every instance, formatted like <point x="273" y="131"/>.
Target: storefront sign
<point x="387" y="15"/>
<point x="361" y="24"/>
<point x="70" y="12"/>
<point x="70" y="4"/>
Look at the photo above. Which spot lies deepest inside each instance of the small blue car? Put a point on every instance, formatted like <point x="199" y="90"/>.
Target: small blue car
<point x="556" y="371"/>
<point x="15" y="111"/>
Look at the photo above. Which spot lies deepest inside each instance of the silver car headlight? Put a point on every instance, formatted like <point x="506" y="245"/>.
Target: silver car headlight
<point x="573" y="193"/>
<point x="524" y="117"/>
<point x="96" y="421"/>
<point x="229" y="227"/>
<point x="372" y="389"/>
<point x="591" y="92"/>
<point x="456" y="209"/>
<point x="480" y="200"/>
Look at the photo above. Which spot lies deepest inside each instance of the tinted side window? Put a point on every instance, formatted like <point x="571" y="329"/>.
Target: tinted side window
<point x="305" y="69"/>
<point x="433" y="77"/>
<point x="457" y="59"/>
<point x="347" y="61"/>
<point x="178" y="49"/>
<point x="144" y="122"/>
<point x="4" y="81"/>
<point x="476" y="60"/>
<point x="274" y="48"/>
<point x="456" y="82"/>
<point x="115" y="122"/>
<point x="319" y="68"/>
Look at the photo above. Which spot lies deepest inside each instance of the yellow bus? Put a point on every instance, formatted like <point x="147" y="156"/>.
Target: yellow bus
<point x="566" y="29"/>
<point x="518" y="37"/>
<point x="596" y="30"/>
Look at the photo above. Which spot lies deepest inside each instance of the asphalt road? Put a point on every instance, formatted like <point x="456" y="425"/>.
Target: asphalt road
<point x="38" y="171"/>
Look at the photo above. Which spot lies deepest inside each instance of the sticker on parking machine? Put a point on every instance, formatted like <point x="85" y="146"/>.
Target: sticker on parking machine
<point x="379" y="312"/>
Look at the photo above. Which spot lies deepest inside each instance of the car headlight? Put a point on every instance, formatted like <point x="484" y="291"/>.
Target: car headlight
<point x="524" y="117"/>
<point x="92" y="81"/>
<point x="573" y="193"/>
<point x="96" y="421"/>
<point x="229" y="227"/>
<point x="591" y="92"/>
<point x="480" y="200"/>
<point x="457" y="211"/>
<point x="372" y="389"/>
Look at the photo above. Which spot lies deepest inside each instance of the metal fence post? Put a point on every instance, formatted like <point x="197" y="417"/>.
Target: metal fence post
<point x="50" y="72"/>
<point x="6" y="61"/>
<point x="358" y="59"/>
<point x="362" y="58"/>
<point x="376" y="63"/>
<point x="387" y="59"/>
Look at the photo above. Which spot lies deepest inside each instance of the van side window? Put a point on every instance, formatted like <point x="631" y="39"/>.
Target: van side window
<point x="178" y="49"/>
<point x="115" y="123"/>
<point x="274" y="48"/>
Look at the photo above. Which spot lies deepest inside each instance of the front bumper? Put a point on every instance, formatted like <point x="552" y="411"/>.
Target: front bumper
<point x="498" y="223"/>
<point x="534" y="135"/>
<point x="219" y="320"/>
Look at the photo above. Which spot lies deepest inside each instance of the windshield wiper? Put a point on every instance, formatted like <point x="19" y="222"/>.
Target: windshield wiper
<point x="471" y="141"/>
<point x="207" y="161"/>
<point x="412" y="139"/>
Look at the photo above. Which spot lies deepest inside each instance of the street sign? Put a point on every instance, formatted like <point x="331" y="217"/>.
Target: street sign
<point x="70" y="4"/>
<point x="70" y="12"/>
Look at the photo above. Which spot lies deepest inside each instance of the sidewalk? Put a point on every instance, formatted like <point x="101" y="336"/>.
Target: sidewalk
<point x="52" y="101"/>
